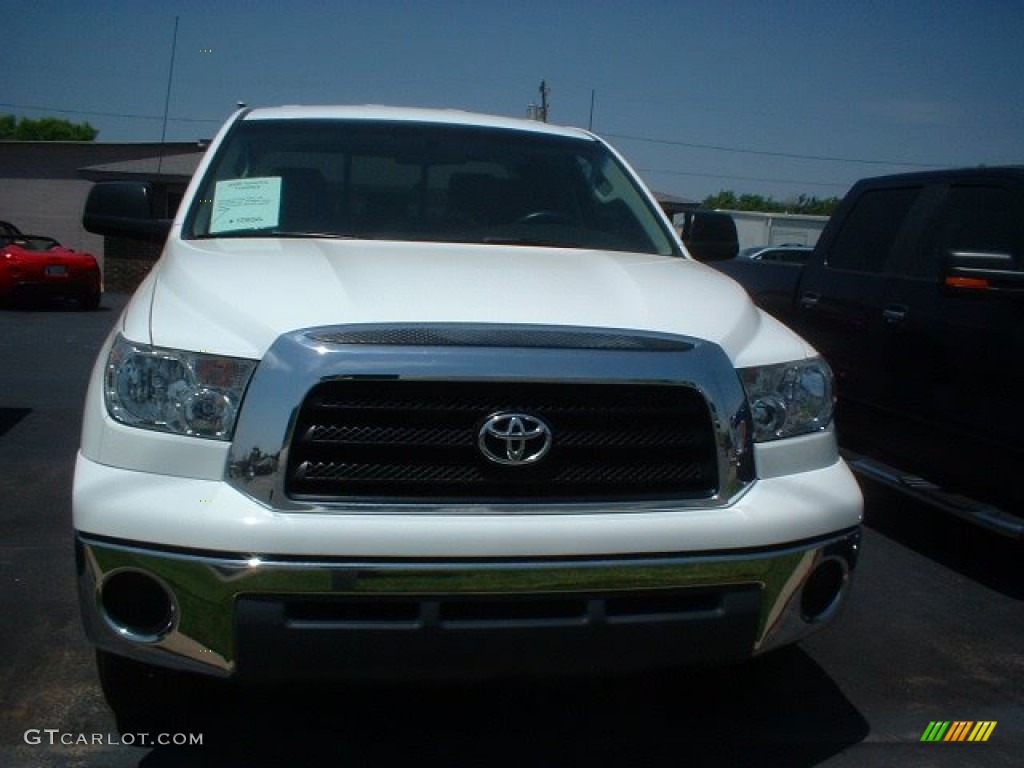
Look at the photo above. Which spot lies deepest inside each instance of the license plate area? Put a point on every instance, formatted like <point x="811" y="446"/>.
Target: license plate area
<point x="55" y="270"/>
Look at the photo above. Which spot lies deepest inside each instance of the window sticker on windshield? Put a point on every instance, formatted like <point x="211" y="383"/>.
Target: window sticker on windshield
<point x="246" y="204"/>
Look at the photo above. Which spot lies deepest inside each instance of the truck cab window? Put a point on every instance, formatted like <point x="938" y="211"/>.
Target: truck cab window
<point x="872" y="229"/>
<point x="978" y="218"/>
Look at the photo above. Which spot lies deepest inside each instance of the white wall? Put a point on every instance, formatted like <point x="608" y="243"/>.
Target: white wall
<point x="755" y="228"/>
<point x="51" y="207"/>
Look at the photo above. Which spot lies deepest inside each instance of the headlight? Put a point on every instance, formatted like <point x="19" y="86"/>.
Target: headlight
<point x="186" y="393"/>
<point x="789" y="399"/>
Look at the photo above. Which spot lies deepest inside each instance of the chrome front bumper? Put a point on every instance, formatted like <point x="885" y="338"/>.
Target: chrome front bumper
<point x="266" y="617"/>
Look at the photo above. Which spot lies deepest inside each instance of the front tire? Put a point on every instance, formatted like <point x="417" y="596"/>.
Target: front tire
<point x="89" y="301"/>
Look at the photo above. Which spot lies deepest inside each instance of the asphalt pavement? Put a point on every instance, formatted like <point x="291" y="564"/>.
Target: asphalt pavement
<point x="932" y="633"/>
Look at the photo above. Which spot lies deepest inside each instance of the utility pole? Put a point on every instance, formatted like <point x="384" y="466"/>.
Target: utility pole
<point x="540" y="112"/>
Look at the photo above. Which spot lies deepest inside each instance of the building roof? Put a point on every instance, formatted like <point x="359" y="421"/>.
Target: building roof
<point x="672" y="204"/>
<point x="65" y="159"/>
<point x="166" y="168"/>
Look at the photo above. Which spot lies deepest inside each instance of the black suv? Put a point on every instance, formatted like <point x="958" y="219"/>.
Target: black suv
<point x="915" y="295"/>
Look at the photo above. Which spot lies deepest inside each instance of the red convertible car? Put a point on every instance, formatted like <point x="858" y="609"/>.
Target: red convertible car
<point x="38" y="266"/>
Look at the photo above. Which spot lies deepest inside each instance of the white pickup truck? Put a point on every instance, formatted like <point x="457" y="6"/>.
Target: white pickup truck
<point x="422" y="392"/>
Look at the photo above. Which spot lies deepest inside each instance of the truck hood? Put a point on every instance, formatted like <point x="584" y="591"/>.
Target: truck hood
<point x="237" y="296"/>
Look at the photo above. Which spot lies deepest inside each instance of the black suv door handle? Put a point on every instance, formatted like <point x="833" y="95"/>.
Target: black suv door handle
<point x="810" y="300"/>
<point x="894" y="314"/>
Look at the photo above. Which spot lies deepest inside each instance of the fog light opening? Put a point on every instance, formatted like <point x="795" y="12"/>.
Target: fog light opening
<point x="823" y="590"/>
<point x="137" y="605"/>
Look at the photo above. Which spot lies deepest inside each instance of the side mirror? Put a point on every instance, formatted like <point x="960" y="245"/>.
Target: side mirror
<point x="983" y="272"/>
<point x="124" y="208"/>
<point x="710" y="235"/>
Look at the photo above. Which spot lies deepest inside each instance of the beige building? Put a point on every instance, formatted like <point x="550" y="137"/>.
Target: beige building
<point x="43" y="186"/>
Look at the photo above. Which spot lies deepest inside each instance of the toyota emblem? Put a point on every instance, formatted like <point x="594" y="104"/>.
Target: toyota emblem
<point x="514" y="439"/>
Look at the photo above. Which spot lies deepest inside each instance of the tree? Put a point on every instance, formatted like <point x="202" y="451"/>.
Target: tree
<point x="802" y="204"/>
<point x="44" y="129"/>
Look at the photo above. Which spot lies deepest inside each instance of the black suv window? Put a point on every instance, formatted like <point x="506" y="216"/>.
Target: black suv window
<point x="872" y="229"/>
<point x="976" y="218"/>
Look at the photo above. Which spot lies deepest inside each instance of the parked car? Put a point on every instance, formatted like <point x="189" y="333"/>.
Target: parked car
<point x="790" y="254"/>
<point x="35" y="266"/>
<point x="425" y="393"/>
<point x="915" y="295"/>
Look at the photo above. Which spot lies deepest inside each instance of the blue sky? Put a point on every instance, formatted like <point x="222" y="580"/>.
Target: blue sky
<point x="777" y="98"/>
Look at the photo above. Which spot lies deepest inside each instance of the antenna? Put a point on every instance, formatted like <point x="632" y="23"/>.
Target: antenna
<point x="167" y="98"/>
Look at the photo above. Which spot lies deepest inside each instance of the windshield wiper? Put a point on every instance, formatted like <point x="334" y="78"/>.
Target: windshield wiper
<point x="264" y="233"/>
<point x="538" y="241"/>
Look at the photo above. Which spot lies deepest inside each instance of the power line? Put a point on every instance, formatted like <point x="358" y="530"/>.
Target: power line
<point x="623" y="136"/>
<point x="789" y="155"/>
<point x="742" y="178"/>
<point x="89" y="113"/>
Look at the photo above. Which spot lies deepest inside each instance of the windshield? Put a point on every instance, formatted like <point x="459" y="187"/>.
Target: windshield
<point x="429" y="182"/>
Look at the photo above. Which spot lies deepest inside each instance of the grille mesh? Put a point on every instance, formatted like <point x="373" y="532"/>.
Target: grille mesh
<point x="417" y="440"/>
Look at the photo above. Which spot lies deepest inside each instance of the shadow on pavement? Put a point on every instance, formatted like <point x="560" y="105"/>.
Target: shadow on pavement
<point x="780" y="710"/>
<point x="978" y="554"/>
<point x="57" y="305"/>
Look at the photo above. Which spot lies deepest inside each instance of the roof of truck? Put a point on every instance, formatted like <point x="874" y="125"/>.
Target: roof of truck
<point x="952" y="174"/>
<point x="408" y="114"/>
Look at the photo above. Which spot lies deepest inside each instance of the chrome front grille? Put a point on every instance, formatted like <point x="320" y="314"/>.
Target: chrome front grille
<point x="400" y="419"/>
<point x="417" y="440"/>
